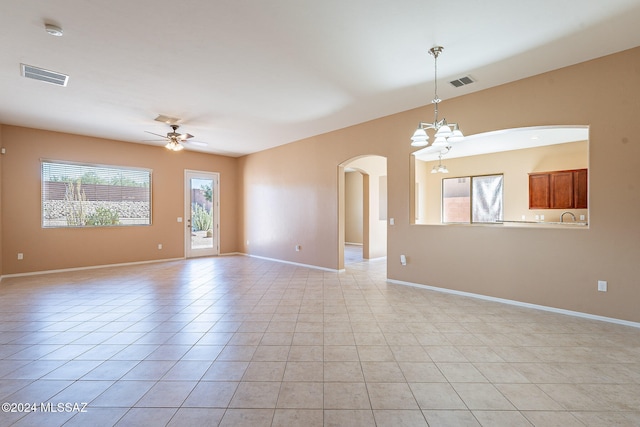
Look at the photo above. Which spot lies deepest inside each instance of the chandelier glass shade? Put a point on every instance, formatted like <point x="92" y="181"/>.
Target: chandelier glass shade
<point x="445" y="133"/>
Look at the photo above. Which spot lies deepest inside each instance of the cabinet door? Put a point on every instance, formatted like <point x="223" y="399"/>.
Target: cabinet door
<point x="561" y="190"/>
<point x="539" y="191"/>
<point x="580" y="189"/>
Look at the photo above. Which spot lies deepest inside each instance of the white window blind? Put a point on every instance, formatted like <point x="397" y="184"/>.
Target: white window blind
<point x="86" y="195"/>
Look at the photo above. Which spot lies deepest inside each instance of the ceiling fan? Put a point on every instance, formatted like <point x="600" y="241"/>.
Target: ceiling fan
<point x="175" y="140"/>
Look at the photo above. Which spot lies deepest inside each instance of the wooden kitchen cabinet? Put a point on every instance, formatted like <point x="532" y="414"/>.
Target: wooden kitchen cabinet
<point x="558" y="189"/>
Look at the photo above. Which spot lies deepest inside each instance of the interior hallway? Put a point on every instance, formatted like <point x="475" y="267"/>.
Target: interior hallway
<point x="241" y="341"/>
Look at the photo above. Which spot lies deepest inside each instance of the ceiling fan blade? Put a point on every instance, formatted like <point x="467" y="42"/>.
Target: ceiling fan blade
<point x="157" y="134"/>
<point x="184" y="136"/>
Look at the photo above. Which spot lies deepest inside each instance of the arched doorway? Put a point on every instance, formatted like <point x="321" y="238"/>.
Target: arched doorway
<point x="362" y="205"/>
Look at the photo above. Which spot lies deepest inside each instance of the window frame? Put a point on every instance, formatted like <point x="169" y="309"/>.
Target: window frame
<point x="471" y="201"/>
<point x="112" y="170"/>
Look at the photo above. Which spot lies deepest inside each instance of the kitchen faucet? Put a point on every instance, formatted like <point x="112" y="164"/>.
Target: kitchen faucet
<point x="564" y="213"/>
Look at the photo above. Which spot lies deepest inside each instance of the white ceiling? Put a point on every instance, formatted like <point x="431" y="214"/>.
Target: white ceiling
<point x="246" y="75"/>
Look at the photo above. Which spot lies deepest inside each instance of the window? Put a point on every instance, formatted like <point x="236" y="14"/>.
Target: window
<point x="472" y="199"/>
<point x="82" y="195"/>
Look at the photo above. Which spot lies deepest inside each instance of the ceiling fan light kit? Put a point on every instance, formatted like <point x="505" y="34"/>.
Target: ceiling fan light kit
<point x="174" y="138"/>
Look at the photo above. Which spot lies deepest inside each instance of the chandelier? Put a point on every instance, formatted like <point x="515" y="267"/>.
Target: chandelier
<point x="445" y="133"/>
<point x="440" y="168"/>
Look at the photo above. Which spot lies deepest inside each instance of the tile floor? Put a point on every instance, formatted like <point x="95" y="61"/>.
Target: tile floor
<point x="238" y="341"/>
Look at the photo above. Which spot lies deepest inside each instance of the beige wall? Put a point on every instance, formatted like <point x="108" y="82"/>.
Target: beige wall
<point x="50" y="249"/>
<point x="287" y="201"/>
<point x="515" y="165"/>
<point x="353" y="194"/>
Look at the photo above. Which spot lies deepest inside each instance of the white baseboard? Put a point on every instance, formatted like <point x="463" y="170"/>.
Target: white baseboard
<point x="315" y="267"/>
<point x="520" y="304"/>
<point x="91" y="267"/>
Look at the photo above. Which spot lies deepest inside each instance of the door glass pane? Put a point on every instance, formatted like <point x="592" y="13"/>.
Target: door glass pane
<point x="202" y="229"/>
<point x="456" y="200"/>
<point x="487" y="198"/>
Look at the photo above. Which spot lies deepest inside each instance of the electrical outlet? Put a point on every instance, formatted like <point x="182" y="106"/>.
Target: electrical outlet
<point x="392" y="221"/>
<point x="602" y="285"/>
<point x="298" y="248"/>
<point x="403" y="260"/>
<point x="179" y="219"/>
<point x="20" y="255"/>
<point x="159" y="245"/>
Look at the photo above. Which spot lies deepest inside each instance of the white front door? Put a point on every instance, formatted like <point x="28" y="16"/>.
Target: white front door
<point x="201" y="211"/>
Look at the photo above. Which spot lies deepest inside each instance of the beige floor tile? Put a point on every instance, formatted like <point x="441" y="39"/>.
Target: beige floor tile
<point x="255" y="395"/>
<point x="399" y="418"/>
<point x="346" y="396"/>
<point x="391" y="396"/>
<point x="247" y="417"/>
<point x="379" y="372"/>
<point x="482" y="397"/>
<point x="369" y="338"/>
<point x="436" y="396"/>
<point x="301" y="395"/>
<point x="375" y="353"/>
<point x="343" y="372"/>
<point x="151" y="370"/>
<point x="264" y="371"/>
<point x="555" y="419"/>
<point x="443" y="353"/>
<point x="341" y="353"/>
<point x="187" y="370"/>
<point x="271" y="353"/>
<point x="306" y="353"/>
<point x="443" y="418"/>
<point x="348" y="417"/>
<point x="297" y="417"/>
<point x="572" y="397"/>
<point x="501" y="372"/>
<point x="188" y="417"/>
<point x="304" y="371"/>
<point x="98" y="417"/>
<point x="237" y="353"/>
<point x="461" y="373"/>
<point x="167" y="394"/>
<point x="211" y="394"/>
<point x="123" y="394"/>
<point x="528" y="397"/>
<point x="501" y="419"/>
<point x="418" y="372"/>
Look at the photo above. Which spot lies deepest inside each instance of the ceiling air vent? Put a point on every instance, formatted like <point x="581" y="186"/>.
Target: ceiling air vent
<point x="47" y="76"/>
<point x="462" y="81"/>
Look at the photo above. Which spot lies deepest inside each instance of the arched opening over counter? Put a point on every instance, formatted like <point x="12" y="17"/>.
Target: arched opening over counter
<point x="532" y="176"/>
